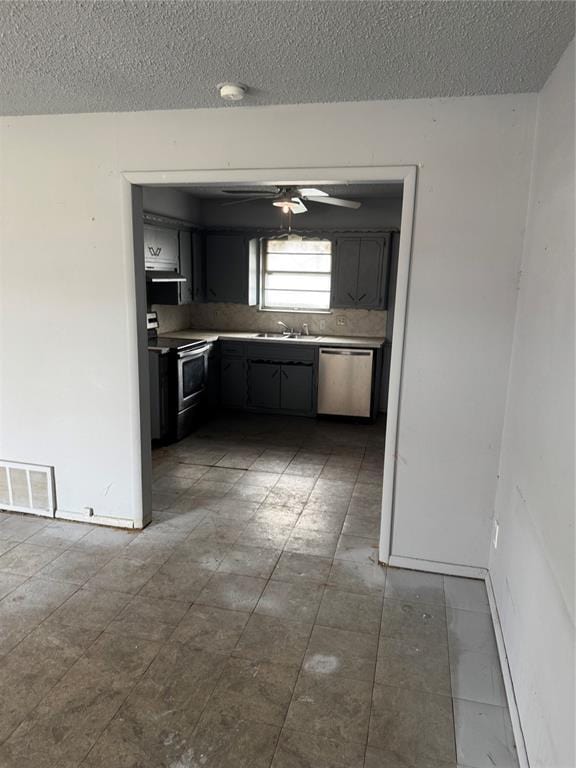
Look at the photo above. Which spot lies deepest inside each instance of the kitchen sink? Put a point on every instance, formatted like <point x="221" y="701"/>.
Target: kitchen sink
<point x="285" y="336"/>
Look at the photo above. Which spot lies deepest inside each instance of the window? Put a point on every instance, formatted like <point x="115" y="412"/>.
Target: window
<point x="296" y="274"/>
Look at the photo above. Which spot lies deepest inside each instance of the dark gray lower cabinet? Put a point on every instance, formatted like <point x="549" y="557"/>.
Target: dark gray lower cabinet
<point x="263" y="385"/>
<point x="213" y="379"/>
<point x="281" y="387"/>
<point x="297" y="387"/>
<point x="233" y="382"/>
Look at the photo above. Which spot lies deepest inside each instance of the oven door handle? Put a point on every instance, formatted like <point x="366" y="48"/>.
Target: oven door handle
<point x="194" y="352"/>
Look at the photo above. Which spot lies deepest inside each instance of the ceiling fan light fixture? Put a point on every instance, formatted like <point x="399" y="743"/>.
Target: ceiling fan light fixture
<point x="287" y="204"/>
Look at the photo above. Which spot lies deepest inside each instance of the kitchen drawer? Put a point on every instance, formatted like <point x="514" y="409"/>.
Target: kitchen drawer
<point x="232" y="348"/>
<point x="282" y="351"/>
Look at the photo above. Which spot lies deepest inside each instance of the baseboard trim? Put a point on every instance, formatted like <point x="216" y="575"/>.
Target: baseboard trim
<point x="78" y="517"/>
<point x="507" y="675"/>
<point x="433" y="566"/>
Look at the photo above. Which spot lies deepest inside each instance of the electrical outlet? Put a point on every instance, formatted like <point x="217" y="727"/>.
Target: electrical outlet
<point x="340" y="320"/>
<point x="322" y="324"/>
<point x="496" y="532"/>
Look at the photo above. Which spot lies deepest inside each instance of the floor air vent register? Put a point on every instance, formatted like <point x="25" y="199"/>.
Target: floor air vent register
<point x="27" y="488"/>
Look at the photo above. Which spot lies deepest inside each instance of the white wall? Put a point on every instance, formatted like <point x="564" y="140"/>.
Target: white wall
<point x="67" y="287"/>
<point x="533" y="568"/>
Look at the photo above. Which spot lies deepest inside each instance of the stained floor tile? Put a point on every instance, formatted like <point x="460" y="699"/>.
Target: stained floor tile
<point x="484" y="735"/>
<point x="249" y="626"/>
<point x="250" y="561"/>
<point x="27" y="559"/>
<point x="296" y="749"/>
<point x="466" y="594"/>
<point x="295" y="567"/>
<point x="336" y="652"/>
<point x="237" y="593"/>
<point x="296" y="601"/>
<point x="225" y="742"/>
<point x="413" y="663"/>
<point x="211" y="628"/>
<point x="267" y="638"/>
<point x="414" y="621"/>
<point x="254" y="690"/>
<point x="335" y="707"/>
<point x="346" y="610"/>
<point x="412" y="724"/>
<point x="415" y="586"/>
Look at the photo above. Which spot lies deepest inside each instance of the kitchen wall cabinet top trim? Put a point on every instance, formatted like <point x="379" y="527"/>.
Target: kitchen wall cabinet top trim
<point x="168" y="222"/>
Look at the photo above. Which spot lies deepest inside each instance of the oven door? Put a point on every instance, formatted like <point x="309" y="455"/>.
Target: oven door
<point x="192" y="376"/>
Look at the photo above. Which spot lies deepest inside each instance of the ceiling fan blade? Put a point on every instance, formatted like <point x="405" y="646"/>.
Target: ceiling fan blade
<point x="244" y="200"/>
<point x="301" y="207"/>
<point x="335" y="201"/>
<point x="253" y="192"/>
<point x="312" y="192"/>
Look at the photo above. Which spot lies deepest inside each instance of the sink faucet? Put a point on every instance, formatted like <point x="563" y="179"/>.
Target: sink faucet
<point x="288" y="330"/>
<point x="305" y="330"/>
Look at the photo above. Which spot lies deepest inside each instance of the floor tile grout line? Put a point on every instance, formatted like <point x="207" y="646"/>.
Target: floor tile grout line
<point x="376" y="662"/>
<point x="448" y="647"/>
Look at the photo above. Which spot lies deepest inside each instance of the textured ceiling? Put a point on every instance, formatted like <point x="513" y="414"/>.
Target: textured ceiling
<point x="70" y="56"/>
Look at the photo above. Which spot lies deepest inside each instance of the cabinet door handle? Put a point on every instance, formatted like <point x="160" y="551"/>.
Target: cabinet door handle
<point x="352" y="297"/>
<point x="275" y="373"/>
<point x="211" y="291"/>
<point x="362" y="297"/>
<point x="284" y="374"/>
<point x="227" y="366"/>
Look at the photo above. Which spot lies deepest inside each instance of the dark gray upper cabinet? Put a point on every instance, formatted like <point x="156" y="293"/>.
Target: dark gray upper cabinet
<point x="198" y="268"/>
<point x="174" y="250"/>
<point x="345" y="273"/>
<point x="186" y="290"/>
<point x="360" y="273"/>
<point x="161" y="248"/>
<point x="297" y="388"/>
<point x="231" y="268"/>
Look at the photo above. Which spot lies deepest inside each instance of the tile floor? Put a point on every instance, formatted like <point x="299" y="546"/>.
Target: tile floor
<point x="248" y="626"/>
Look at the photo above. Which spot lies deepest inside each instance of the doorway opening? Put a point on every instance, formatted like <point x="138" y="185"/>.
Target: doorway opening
<point x="281" y="308"/>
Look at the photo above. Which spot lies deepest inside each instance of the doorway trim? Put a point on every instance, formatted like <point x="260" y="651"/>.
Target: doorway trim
<point x="315" y="176"/>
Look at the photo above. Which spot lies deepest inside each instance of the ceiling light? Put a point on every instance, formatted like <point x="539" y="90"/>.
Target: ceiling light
<point x="231" y="91"/>
<point x="287" y="204"/>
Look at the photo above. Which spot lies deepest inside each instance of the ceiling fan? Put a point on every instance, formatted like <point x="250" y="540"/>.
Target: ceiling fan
<point x="290" y="199"/>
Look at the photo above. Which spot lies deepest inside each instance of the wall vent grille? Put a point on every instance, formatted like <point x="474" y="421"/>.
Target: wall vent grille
<point x="27" y="488"/>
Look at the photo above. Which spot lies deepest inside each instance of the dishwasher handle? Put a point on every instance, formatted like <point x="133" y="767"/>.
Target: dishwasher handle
<point x="352" y="352"/>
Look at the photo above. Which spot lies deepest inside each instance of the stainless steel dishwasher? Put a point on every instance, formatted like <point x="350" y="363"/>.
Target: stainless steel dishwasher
<point x="345" y="381"/>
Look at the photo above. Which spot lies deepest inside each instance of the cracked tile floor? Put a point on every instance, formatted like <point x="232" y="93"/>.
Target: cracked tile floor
<point x="248" y="626"/>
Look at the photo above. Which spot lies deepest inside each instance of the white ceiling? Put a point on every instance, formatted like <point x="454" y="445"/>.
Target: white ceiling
<point x="72" y="56"/>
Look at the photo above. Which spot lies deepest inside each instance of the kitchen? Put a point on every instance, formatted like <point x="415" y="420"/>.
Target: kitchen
<point x="267" y="300"/>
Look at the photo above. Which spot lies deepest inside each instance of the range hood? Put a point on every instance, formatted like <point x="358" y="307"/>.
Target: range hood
<point x="164" y="276"/>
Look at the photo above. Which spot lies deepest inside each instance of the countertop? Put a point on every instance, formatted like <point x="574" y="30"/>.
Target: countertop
<point x="338" y="341"/>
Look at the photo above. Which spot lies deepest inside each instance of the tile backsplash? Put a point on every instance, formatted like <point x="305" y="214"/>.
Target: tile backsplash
<point x="172" y="318"/>
<point x="238" y="317"/>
